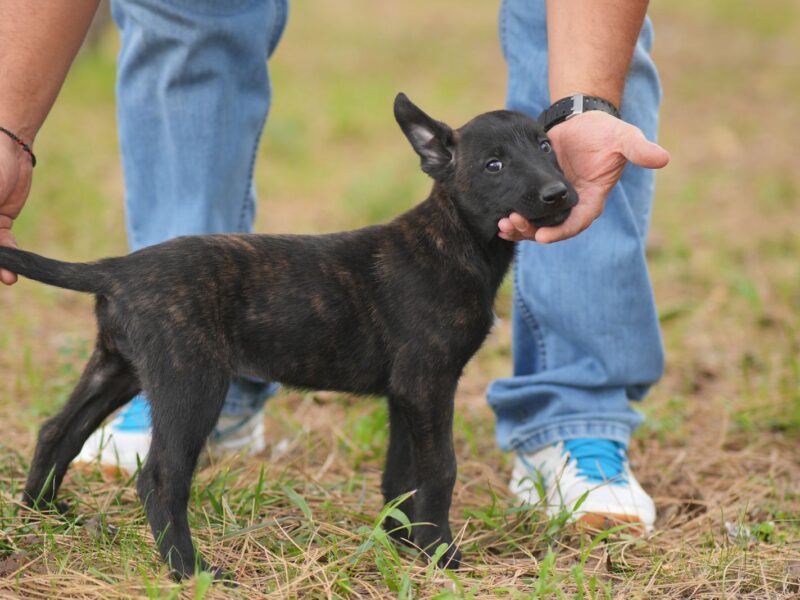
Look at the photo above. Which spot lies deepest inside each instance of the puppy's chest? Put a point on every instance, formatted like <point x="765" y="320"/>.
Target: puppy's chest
<point x="471" y="325"/>
<point x="459" y="327"/>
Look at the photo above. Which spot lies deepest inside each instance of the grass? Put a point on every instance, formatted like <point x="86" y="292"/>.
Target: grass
<point x="718" y="448"/>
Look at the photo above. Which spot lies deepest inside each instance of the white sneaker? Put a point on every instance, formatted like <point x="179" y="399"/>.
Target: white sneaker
<point x="122" y="444"/>
<point x="596" y="468"/>
<point x="242" y="435"/>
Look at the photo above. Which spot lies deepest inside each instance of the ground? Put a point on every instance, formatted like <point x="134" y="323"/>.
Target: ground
<point x="717" y="450"/>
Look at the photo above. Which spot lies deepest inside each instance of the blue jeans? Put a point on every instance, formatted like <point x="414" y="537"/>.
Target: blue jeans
<point x="586" y="338"/>
<point x="193" y="92"/>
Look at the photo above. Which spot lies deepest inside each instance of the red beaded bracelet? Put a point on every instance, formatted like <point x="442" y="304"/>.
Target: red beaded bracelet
<point x="21" y="144"/>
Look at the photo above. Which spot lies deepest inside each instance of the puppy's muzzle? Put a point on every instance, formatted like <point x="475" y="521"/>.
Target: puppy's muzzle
<point x="553" y="193"/>
<point x="555" y="200"/>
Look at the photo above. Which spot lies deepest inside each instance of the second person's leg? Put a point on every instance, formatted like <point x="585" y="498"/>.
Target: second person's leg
<point x="193" y="92"/>
<point x="585" y="328"/>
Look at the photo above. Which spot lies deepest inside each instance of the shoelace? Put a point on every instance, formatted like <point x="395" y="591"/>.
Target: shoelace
<point x="135" y="416"/>
<point x="598" y="460"/>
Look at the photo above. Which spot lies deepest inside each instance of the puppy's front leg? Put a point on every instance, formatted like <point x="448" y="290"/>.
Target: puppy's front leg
<point x="400" y="475"/>
<point x="426" y="401"/>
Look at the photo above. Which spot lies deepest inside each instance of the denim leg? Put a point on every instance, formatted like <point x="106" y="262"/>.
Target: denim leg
<point x="193" y="92"/>
<point x="586" y="338"/>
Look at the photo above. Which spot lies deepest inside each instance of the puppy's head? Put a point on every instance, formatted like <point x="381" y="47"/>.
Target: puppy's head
<point x="498" y="163"/>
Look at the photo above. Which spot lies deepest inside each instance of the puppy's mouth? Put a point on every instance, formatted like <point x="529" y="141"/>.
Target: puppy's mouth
<point x="552" y="220"/>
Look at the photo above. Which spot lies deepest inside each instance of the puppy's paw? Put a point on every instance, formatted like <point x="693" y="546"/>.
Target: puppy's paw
<point x="204" y="570"/>
<point x="44" y="507"/>
<point x="62" y="508"/>
<point x="220" y="574"/>
<point x="451" y="559"/>
<point x="397" y="531"/>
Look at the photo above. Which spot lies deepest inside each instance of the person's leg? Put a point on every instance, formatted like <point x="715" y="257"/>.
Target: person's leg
<point x="586" y="338"/>
<point x="193" y="92"/>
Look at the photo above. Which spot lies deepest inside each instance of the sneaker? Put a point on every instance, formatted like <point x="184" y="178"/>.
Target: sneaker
<point x="122" y="444"/>
<point x="239" y="434"/>
<point x="596" y="468"/>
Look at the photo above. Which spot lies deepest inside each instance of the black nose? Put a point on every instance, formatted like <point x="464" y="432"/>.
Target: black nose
<point x="553" y="192"/>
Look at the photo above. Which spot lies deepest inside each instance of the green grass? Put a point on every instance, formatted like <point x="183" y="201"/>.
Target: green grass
<point x="718" y="449"/>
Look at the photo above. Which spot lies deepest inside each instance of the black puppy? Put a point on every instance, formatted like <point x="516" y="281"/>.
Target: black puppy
<point x="393" y="310"/>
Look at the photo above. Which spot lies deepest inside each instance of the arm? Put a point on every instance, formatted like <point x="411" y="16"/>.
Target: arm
<point x="590" y="45"/>
<point x="38" y="41"/>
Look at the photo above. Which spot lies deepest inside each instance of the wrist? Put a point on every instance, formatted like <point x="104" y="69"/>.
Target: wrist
<point x="611" y="93"/>
<point x="15" y="144"/>
<point x="21" y="125"/>
<point x="9" y="148"/>
<point x="574" y="105"/>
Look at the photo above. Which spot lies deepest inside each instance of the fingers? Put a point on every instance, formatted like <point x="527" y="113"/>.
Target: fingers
<point x="7" y="277"/>
<point x="515" y="228"/>
<point x="640" y="151"/>
<point x="6" y="239"/>
<point x="579" y="219"/>
<point x="507" y="231"/>
<point x="523" y="226"/>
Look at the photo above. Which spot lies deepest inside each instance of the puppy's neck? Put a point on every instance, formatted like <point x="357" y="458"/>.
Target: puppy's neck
<point x="484" y="235"/>
<point x="439" y="221"/>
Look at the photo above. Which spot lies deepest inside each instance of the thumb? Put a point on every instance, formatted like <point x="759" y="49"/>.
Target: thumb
<point x="638" y="150"/>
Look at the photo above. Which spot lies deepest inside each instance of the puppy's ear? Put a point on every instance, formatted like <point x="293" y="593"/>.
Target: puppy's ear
<point x="433" y="140"/>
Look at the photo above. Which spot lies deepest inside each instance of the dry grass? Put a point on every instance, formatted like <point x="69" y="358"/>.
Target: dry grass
<point x="717" y="450"/>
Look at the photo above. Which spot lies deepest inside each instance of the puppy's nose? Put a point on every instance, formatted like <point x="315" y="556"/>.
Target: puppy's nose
<point x="553" y="192"/>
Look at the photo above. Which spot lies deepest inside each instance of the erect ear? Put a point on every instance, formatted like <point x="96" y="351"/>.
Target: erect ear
<point x="432" y="139"/>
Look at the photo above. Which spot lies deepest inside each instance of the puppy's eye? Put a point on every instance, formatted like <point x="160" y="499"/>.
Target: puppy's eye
<point x="494" y="166"/>
<point x="545" y="146"/>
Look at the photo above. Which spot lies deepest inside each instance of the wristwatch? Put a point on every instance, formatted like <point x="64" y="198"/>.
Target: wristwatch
<point x="568" y="107"/>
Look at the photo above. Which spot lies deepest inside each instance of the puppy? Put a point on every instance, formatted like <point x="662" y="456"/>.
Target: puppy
<point x="392" y="310"/>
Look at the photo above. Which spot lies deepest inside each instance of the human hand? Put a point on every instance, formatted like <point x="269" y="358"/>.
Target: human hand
<point x="592" y="149"/>
<point x="15" y="183"/>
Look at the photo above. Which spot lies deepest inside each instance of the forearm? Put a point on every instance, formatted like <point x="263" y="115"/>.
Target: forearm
<point x="38" y="41"/>
<point x="590" y="45"/>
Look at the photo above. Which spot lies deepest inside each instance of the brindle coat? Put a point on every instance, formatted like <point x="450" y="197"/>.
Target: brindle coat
<point x="392" y="310"/>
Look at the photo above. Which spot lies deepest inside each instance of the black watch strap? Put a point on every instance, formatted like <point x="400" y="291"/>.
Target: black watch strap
<point x="568" y="107"/>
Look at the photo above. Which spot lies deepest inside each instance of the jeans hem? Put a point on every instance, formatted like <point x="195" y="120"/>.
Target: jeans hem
<point x="246" y="396"/>
<point x="569" y="430"/>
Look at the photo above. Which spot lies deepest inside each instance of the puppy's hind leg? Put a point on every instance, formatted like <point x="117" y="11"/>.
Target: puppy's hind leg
<point x="107" y="382"/>
<point x="185" y="406"/>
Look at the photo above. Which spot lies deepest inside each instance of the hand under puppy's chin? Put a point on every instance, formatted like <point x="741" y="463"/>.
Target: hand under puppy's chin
<point x="552" y="220"/>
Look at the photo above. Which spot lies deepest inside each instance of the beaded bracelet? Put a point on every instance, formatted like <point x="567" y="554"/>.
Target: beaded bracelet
<point x="21" y="144"/>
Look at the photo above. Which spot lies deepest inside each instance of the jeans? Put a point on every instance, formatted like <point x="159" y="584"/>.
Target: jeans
<point x="586" y="337"/>
<point x="193" y="92"/>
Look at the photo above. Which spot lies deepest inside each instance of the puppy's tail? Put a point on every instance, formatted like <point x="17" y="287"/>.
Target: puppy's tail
<point x="81" y="277"/>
